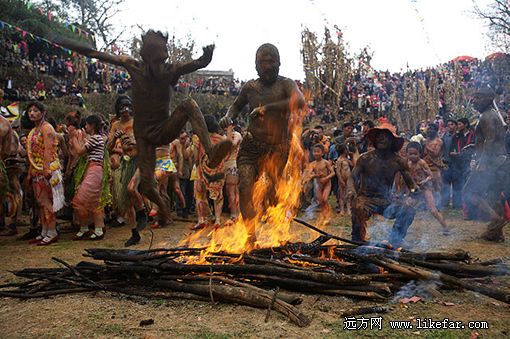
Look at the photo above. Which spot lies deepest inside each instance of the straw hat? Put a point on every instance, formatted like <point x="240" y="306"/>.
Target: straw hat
<point x="384" y="124"/>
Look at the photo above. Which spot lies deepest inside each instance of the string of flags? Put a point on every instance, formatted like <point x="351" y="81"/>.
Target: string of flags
<point x="65" y="23"/>
<point x="420" y="17"/>
<point x="24" y="34"/>
<point x="34" y="37"/>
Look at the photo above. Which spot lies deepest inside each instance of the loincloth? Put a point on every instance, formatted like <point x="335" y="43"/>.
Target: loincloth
<point x="251" y="150"/>
<point x="370" y="204"/>
<point x="490" y="179"/>
<point x="152" y="132"/>
<point x="436" y="166"/>
<point x="4" y="180"/>
<point x="127" y="170"/>
<point x="232" y="171"/>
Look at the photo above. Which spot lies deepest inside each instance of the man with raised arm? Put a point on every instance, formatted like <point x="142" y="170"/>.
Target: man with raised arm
<point x="153" y="79"/>
<point x="269" y="100"/>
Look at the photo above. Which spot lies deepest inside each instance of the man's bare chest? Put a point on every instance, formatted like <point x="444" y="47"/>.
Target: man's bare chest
<point x="262" y="95"/>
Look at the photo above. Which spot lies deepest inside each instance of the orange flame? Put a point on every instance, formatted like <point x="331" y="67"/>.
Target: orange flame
<point x="273" y="215"/>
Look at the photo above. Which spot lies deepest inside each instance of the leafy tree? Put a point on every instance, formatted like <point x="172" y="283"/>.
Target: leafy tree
<point x="28" y="18"/>
<point x="96" y="15"/>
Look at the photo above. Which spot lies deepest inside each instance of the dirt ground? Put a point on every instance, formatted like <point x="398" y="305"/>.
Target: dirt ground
<point x="107" y="315"/>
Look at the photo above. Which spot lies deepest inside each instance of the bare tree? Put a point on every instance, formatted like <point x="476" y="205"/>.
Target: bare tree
<point x="497" y="15"/>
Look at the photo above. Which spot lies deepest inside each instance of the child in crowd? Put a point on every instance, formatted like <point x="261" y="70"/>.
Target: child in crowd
<point x="343" y="172"/>
<point x="321" y="171"/>
<point x="422" y="176"/>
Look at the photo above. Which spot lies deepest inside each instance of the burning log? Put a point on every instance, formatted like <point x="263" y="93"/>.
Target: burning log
<point x="329" y="278"/>
<point x="307" y="247"/>
<point x="251" y="259"/>
<point x="340" y="265"/>
<point x="495" y="261"/>
<point x="136" y="255"/>
<point x="359" y="271"/>
<point x="348" y="241"/>
<point x="287" y="297"/>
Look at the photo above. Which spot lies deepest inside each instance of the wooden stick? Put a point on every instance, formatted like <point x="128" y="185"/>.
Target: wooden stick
<point x="251" y="258"/>
<point x="457" y="269"/>
<point x="359" y="243"/>
<point x="329" y="278"/>
<point x="419" y="273"/>
<point x="271" y="304"/>
<point x="241" y="295"/>
<point x="304" y="223"/>
<point x="44" y="294"/>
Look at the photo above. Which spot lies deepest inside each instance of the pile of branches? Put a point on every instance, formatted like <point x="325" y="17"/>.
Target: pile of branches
<point x="264" y="278"/>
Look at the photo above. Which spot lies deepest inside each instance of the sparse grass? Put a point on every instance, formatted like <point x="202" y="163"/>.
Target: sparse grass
<point x="109" y="315"/>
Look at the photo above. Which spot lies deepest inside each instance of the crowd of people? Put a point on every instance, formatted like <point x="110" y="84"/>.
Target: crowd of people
<point x="88" y="172"/>
<point x="101" y="173"/>
<point x="75" y="75"/>
<point x="71" y="74"/>
<point x="444" y="160"/>
<point x="215" y="85"/>
<point x="370" y="92"/>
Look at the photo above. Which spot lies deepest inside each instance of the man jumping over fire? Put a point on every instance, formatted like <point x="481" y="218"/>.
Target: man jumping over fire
<point x="269" y="99"/>
<point x="153" y="79"/>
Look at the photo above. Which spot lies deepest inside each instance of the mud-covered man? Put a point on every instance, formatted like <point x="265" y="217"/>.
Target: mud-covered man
<point x="483" y="187"/>
<point x="371" y="183"/>
<point x="10" y="170"/>
<point x="153" y="79"/>
<point x="267" y="139"/>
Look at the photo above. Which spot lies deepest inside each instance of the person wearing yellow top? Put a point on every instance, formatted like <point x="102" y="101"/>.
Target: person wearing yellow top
<point x="44" y="172"/>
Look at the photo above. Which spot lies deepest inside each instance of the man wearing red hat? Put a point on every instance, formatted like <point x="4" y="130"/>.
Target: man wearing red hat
<point x="371" y="183"/>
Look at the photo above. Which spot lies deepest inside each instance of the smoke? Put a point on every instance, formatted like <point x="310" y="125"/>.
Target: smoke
<point x="423" y="289"/>
<point x="379" y="230"/>
<point x="310" y="211"/>
<point x="425" y="233"/>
